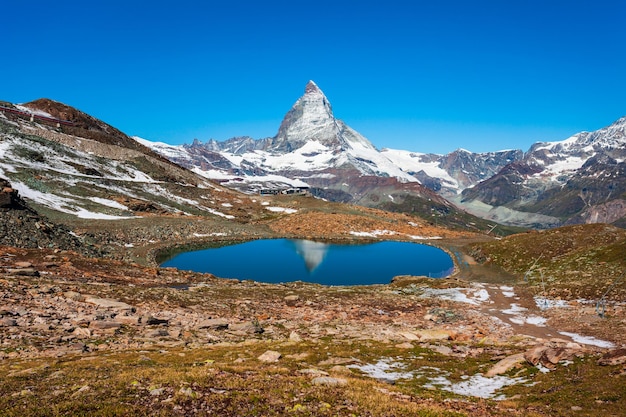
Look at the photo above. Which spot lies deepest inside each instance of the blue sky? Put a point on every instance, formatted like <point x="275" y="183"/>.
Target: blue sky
<point x="415" y="75"/>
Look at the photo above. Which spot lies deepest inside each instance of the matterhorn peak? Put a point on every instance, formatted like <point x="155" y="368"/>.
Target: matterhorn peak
<point x="315" y="101"/>
<point x="311" y="87"/>
<point x="310" y="118"/>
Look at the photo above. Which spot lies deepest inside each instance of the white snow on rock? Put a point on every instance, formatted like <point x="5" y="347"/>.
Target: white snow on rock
<point x="416" y="162"/>
<point x="476" y="385"/>
<point x="460" y="295"/>
<point x="169" y="151"/>
<point x="374" y="233"/>
<point x="507" y="291"/>
<point x="33" y="111"/>
<point x="424" y="237"/>
<point x="386" y="368"/>
<point x="546" y="303"/>
<point x="520" y="318"/>
<point x="209" y="234"/>
<point x="589" y="340"/>
<point x="108" y="203"/>
<point x="281" y="210"/>
<point x="61" y="204"/>
<point x="392" y="369"/>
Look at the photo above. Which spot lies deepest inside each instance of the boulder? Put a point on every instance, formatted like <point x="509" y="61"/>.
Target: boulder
<point x="313" y="372"/>
<point x="26" y="272"/>
<point x="506" y="364"/>
<point x="8" y="322"/>
<point x="434" y="334"/>
<point x="291" y="300"/>
<point x="108" y="303"/>
<point x="295" y="337"/>
<point x="329" y="381"/>
<point x="104" y="325"/>
<point x="613" y="357"/>
<point x="157" y="333"/>
<point x="534" y="354"/>
<point x="246" y="327"/>
<point x="552" y="353"/>
<point x="409" y="336"/>
<point x="270" y="356"/>
<point x="82" y="332"/>
<point x="556" y="355"/>
<point x="442" y="350"/>
<point x="128" y="320"/>
<point x="213" y="324"/>
<point x="73" y="295"/>
<point x="154" y="321"/>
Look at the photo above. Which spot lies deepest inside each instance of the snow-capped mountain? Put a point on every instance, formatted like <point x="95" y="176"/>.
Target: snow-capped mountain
<point x="579" y="179"/>
<point x="316" y="150"/>
<point x="451" y="173"/>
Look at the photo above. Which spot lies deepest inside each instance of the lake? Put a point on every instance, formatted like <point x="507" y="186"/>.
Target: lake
<point x="287" y="260"/>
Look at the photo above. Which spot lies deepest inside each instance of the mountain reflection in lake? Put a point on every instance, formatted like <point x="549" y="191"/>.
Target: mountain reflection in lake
<point x="312" y="252"/>
<point x="284" y="260"/>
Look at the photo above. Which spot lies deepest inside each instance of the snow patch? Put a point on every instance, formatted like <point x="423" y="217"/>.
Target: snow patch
<point x="545" y="303"/>
<point x="424" y="237"/>
<point x="108" y="203"/>
<point x="61" y="204"/>
<point x="507" y="291"/>
<point x="281" y="210"/>
<point x="209" y="234"/>
<point x="589" y="340"/>
<point x="385" y="368"/>
<point x="522" y="319"/>
<point x="457" y="294"/>
<point x="391" y="369"/>
<point x="374" y="233"/>
<point x="33" y="111"/>
<point x="476" y="385"/>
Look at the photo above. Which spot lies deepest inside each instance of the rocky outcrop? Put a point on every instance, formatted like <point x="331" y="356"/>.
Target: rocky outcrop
<point x="9" y="197"/>
<point x="550" y="354"/>
<point x="21" y="226"/>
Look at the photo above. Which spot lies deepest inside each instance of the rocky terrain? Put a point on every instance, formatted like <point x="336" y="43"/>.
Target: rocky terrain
<point x="529" y="324"/>
<point x="178" y="343"/>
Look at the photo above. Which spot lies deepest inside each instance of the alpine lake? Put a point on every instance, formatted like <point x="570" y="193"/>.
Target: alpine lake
<point x="289" y="260"/>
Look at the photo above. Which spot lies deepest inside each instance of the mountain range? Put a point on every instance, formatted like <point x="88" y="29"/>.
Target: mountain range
<point x="578" y="180"/>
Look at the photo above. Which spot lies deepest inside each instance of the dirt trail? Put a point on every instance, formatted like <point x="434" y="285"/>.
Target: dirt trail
<point x="519" y="314"/>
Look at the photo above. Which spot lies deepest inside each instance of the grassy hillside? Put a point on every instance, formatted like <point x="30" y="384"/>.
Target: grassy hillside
<point x="580" y="261"/>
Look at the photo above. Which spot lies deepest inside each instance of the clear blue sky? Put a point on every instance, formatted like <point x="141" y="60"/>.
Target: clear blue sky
<point x="426" y="76"/>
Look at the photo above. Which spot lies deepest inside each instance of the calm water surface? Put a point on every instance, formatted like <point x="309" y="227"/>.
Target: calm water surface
<point x="285" y="260"/>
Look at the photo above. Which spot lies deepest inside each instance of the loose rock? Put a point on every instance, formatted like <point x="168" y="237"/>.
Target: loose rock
<point x="270" y="356"/>
<point x="329" y="381"/>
